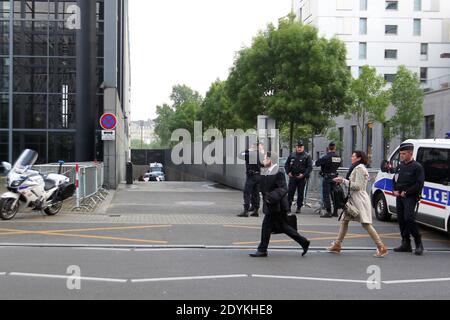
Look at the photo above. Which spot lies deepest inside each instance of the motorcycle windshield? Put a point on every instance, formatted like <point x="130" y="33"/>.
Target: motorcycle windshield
<point x="27" y="158"/>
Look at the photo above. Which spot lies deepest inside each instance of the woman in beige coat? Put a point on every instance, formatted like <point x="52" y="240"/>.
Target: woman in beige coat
<point x="357" y="180"/>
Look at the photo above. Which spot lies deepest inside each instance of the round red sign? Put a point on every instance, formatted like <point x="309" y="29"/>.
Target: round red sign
<point x="108" y="121"/>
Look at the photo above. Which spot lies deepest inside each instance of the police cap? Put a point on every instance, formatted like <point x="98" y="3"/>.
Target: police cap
<point x="407" y="147"/>
<point x="332" y="144"/>
<point x="300" y="143"/>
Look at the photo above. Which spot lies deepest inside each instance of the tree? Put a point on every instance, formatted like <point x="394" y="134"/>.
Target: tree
<point x="216" y="109"/>
<point x="163" y="127"/>
<point x="370" y="100"/>
<point x="291" y="75"/>
<point x="407" y="98"/>
<point x="180" y="115"/>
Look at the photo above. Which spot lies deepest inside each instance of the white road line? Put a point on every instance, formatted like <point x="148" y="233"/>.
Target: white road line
<point x="2" y="273"/>
<point x="190" y="278"/>
<point x="50" y="276"/>
<point x="311" y="279"/>
<point x="104" y="249"/>
<point x="417" y="281"/>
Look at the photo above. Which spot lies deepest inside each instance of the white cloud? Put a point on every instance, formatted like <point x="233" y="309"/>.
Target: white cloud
<point x="190" y="42"/>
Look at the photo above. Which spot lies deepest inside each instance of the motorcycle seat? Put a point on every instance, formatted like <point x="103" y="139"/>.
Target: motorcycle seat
<point x="49" y="184"/>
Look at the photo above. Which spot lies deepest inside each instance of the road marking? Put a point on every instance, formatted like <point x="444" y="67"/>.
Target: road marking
<point x="235" y="276"/>
<point x="417" y="281"/>
<point x="104" y="238"/>
<point x="311" y="279"/>
<point x="51" y="276"/>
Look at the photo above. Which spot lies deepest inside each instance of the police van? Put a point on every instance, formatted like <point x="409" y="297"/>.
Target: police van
<point x="434" y="208"/>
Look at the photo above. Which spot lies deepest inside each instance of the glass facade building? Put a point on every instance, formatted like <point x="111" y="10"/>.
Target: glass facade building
<point x="38" y="73"/>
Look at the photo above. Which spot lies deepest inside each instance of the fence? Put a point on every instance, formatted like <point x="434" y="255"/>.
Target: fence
<point x="89" y="179"/>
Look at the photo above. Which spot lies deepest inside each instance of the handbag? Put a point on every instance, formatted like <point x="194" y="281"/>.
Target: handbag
<point x="349" y="207"/>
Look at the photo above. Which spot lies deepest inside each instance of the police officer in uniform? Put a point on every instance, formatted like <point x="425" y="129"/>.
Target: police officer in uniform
<point x="254" y="158"/>
<point x="408" y="181"/>
<point x="298" y="167"/>
<point x="329" y="166"/>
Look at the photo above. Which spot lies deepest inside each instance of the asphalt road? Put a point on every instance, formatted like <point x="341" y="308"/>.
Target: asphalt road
<point x="183" y="241"/>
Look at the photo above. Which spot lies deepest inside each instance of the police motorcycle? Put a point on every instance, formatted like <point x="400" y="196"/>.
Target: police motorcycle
<point x="29" y="189"/>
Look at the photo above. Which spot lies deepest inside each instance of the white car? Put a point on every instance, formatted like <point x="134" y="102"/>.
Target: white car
<point x="434" y="209"/>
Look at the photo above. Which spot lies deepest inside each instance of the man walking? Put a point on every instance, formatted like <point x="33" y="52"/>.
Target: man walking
<point x="409" y="181"/>
<point x="329" y="164"/>
<point x="254" y="162"/>
<point x="298" y="167"/>
<point x="274" y="189"/>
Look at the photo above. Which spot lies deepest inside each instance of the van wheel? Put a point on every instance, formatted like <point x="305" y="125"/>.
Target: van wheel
<point x="381" y="210"/>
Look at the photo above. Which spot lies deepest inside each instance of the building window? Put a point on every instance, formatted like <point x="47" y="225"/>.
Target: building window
<point x="363" y="5"/>
<point x="363" y="26"/>
<point x="417" y="5"/>
<point x="429" y="127"/>
<point x="391" y="30"/>
<point x="424" y="51"/>
<point x="390" y="77"/>
<point x="392" y="5"/>
<point x="390" y="54"/>
<point x="370" y="142"/>
<point x="424" y="75"/>
<point x="417" y="27"/>
<point x="363" y="50"/>
<point x="354" y="138"/>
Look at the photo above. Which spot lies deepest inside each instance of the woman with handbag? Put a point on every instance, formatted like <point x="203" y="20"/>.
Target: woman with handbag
<point x="358" y="207"/>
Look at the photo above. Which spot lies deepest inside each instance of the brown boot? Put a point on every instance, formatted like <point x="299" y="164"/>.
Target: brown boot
<point x="336" y="248"/>
<point x="382" y="252"/>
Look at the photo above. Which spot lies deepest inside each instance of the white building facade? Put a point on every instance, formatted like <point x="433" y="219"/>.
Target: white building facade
<point x="386" y="34"/>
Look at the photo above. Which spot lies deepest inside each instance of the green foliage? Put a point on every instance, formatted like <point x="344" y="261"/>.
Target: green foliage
<point x="370" y="100"/>
<point x="407" y="98"/>
<point x="216" y="110"/>
<point x="291" y="75"/>
<point x="180" y="115"/>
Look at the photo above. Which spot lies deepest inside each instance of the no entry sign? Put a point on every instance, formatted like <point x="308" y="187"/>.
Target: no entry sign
<point x="108" y="121"/>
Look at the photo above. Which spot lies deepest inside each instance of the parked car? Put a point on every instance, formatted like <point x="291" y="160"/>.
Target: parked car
<point x="156" y="173"/>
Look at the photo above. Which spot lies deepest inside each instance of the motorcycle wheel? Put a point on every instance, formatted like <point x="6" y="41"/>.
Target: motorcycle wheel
<point x="54" y="209"/>
<point x="7" y="208"/>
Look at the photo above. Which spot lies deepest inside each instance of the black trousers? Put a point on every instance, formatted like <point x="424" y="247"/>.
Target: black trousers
<point x="269" y="223"/>
<point x="406" y="213"/>
<point x="297" y="185"/>
<point x="251" y="192"/>
<point x="327" y="193"/>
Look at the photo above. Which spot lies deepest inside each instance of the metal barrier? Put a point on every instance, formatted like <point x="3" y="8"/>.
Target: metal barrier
<point x="88" y="178"/>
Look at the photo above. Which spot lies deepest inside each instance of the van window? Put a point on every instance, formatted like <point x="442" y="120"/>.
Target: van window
<point x="436" y="163"/>
<point x="395" y="161"/>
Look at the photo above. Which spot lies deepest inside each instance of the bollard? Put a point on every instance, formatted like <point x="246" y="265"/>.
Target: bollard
<point x="77" y="183"/>
<point x="129" y="173"/>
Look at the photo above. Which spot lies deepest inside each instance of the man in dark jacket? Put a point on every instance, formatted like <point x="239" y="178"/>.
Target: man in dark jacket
<point x="298" y="167"/>
<point x="409" y="181"/>
<point x="329" y="164"/>
<point x="253" y="161"/>
<point x="274" y="189"/>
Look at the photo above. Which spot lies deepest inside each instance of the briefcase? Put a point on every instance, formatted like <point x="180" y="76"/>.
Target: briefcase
<point x="291" y="220"/>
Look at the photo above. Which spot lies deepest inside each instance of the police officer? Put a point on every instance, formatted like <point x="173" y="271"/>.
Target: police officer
<point x="329" y="164"/>
<point x="408" y="181"/>
<point x="298" y="167"/>
<point x="254" y="158"/>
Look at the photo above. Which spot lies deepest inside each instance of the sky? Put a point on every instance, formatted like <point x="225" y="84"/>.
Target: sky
<point x="191" y="42"/>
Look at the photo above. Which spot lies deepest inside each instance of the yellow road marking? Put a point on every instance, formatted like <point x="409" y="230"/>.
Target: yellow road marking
<point x="104" y="238"/>
<point x="63" y="233"/>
